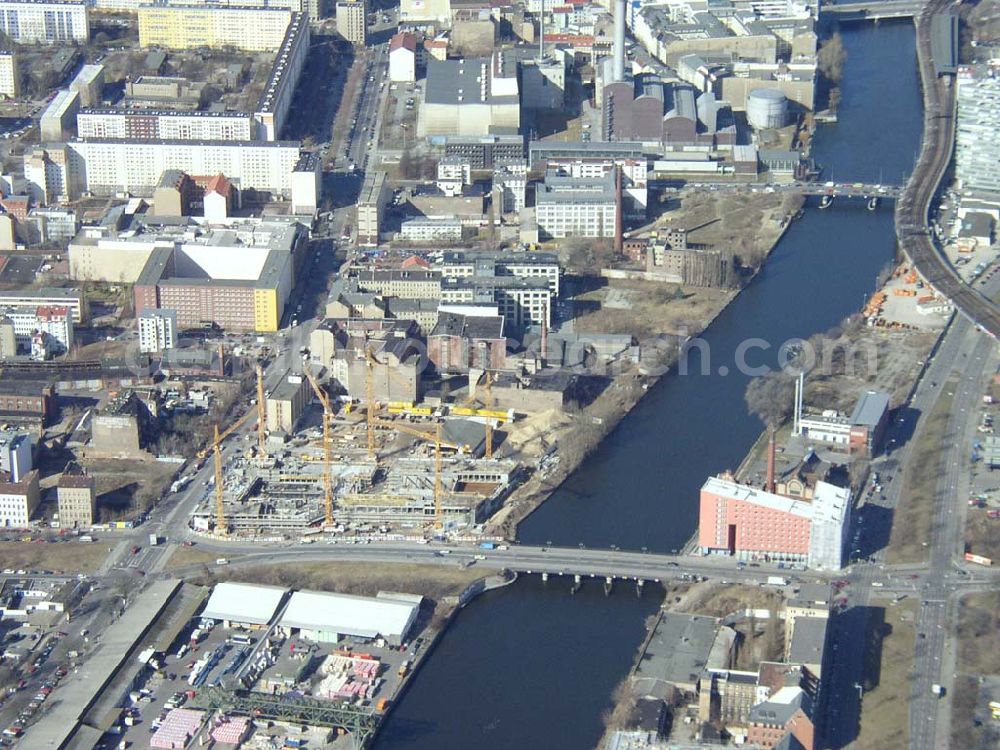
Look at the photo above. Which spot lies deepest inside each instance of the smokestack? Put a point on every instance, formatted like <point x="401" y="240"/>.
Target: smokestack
<point x="618" y="69"/>
<point x="769" y="485"/>
<point x="541" y="33"/>
<point x="619" y="229"/>
<point x="545" y="336"/>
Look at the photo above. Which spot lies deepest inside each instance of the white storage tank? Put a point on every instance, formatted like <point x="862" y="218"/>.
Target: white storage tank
<point x="767" y="108"/>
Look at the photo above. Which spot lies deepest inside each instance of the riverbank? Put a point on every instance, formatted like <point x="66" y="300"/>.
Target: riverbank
<point x="669" y="316"/>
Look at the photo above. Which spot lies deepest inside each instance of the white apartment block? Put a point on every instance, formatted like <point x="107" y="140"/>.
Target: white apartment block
<point x="132" y="6"/>
<point x="71" y="299"/>
<point x="10" y="84"/>
<point x="532" y="266"/>
<point x="47" y="174"/>
<point x="522" y="302"/>
<point x="977" y="152"/>
<point x="51" y="22"/>
<point x="57" y="322"/>
<point x="510" y="184"/>
<point x="18" y="501"/>
<point x="352" y="21"/>
<point x="166" y="125"/>
<point x="105" y="167"/>
<point x="272" y="109"/>
<point x="576" y="207"/>
<point x="157" y="330"/>
<point x="431" y="229"/>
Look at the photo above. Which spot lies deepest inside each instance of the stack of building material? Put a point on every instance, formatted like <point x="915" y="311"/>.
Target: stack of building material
<point x="177" y="729"/>
<point x="231" y="730"/>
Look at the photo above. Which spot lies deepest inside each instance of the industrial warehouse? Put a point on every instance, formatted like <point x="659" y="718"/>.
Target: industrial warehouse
<point x="176" y="669"/>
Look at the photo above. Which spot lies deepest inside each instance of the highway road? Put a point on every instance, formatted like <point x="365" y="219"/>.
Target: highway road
<point x="914" y="206"/>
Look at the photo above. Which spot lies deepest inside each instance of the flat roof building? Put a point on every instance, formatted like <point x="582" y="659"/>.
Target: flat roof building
<point x="329" y="618"/>
<point x="577" y="206"/>
<point x="753" y="524"/>
<point x="243" y="604"/>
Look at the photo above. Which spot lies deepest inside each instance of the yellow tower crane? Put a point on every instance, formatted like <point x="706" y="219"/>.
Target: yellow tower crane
<point x="439" y="443"/>
<point x="486" y="380"/>
<point x="324" y="400"/>
<point x="216" y="448"/>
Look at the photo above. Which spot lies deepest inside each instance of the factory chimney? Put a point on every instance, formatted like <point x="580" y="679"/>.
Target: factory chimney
<point x="541" y="33"/>
<point x="618" y="68"/>
<point x="769" y="482"/>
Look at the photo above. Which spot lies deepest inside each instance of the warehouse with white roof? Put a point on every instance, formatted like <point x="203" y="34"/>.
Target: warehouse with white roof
<point x="246" y="605"/>
<point x="327" y="618"/>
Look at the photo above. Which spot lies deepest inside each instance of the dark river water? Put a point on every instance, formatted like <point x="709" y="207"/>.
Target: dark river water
<point x="531" y="666"/>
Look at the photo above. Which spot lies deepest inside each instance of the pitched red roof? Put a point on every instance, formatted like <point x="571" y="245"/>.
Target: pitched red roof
<point x="403" y="40"/>
<point x="218" y="184"/>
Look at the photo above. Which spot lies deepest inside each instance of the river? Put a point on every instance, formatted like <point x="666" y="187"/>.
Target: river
<point x="531" y="666"/>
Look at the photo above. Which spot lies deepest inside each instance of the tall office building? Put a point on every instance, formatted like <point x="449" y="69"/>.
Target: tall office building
<point x="977" y="152"/>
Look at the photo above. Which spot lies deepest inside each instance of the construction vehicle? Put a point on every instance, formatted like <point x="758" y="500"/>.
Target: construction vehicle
<point x="324" y="401"/>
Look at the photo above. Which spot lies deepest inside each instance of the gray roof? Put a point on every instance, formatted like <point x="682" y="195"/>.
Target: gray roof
<point x="812" y="593"/>
<point x="684" y="104"/>
<point x="463" y="81"/>
<point x="774" y="713"/>
<point x="561" y="189"/>
<point x="678" y="649"/>
<point x="469" y="326"/>
<point x="60" y="725"/>
<point x="976" y="224"/>
<point x="870" y="408"/>
<point x="808" y="640"/>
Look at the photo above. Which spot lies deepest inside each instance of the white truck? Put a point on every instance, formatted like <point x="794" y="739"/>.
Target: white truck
<point x="153" y="540"/>
<point x="777" y="581"/>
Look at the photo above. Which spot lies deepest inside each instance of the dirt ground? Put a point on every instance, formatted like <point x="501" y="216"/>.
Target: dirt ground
<point x="885" y="709"/>
<point x="912" y="519"/>
<point x="978" y="655"/>
<point x="71" y="557"/>
<point x="124" y="486"/>
<point x="364" y="579"/>
<point x="982" y="534"/>
<point x="979" y="633"/>
<point x="653" y="308"/>
<point x="747" y="224"/>
<point x="861" y="359"/>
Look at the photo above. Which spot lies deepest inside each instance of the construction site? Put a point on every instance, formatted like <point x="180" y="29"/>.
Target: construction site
<point x="317" y="464"/>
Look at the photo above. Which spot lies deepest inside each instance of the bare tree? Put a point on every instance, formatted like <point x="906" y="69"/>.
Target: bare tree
<point x="771" y="397"/>
<point x="831" y="58"/>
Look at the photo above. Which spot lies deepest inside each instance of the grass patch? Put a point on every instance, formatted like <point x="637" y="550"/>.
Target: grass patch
<point x="979" y="633"/>
<point x="359" y="578"/>
<point x="889" y="648"/>
<point x="183" y="557"/>
<point x="911" y="525"/>
<point x="71" y="557"/>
